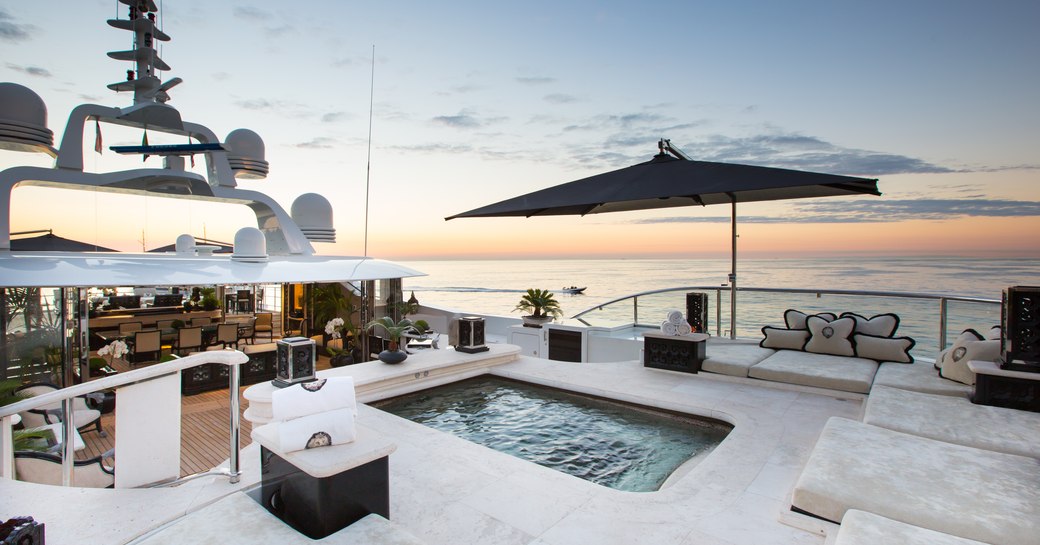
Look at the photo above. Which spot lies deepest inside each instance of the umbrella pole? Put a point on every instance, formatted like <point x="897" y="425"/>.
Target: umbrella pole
<point x="733" y="275"/>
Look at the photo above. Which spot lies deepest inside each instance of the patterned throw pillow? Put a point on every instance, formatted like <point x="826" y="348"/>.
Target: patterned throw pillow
<point x="965" y="336"/>
<point x="830" y="337"/>
<point x="795" y="319"/>
<point x="881" y="349"/>
<point x="882" y="325"/>
<point x="963" y="351"/>
<point x="783" y="339"/>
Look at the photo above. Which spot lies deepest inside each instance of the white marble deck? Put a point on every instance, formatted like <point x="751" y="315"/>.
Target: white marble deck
<point x="445" y="490"/>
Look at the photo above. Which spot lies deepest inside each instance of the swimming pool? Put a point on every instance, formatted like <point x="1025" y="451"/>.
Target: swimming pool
<point x="621" y="446"/>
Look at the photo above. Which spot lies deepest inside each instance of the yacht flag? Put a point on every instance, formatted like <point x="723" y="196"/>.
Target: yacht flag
<point x="97" y="136"/>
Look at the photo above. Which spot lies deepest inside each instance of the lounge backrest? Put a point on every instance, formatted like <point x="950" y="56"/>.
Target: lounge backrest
<point x="43" y="468"/>
<point x="264" y="319"/>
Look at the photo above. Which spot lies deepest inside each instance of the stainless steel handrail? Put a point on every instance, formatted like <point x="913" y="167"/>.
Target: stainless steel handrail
<point x="943" y="299"/>
<point x="231" y="358"/>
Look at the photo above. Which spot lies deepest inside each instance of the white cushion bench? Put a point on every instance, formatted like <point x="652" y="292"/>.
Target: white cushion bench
<point x="844" y="373"/>
<point x="955" y="420"/>
<point x="963" y="491"/>
<point x="862" y="528"/>
<point x="733" y="358"/>
<point x="919" y="377"/>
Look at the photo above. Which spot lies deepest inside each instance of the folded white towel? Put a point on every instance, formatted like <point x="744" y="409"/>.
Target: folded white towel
<point x="683" y="329"/>
<point x="668" y="328"/>
<point x="317" y="430"/>
<point x="313" y="397"/>
<point x="676" y="317"/>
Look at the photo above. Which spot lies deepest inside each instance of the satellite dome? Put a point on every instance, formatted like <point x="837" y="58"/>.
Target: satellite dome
<point x="250" y="245"/>
<point x="245" y="144"/>
<point x="185" y="244"/>
<point x="311" y="212"/>
<point x="21" y="105"/>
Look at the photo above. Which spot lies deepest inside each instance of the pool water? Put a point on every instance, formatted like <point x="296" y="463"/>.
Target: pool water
<point x="609" y="443"/>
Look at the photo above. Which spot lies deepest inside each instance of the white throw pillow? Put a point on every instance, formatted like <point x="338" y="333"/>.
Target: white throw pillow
<point x="965" y="336"/>
<point x="881" y="349"/>
<point x="783" y="339"/>
<point x="994" y="333"/>
<point x="795" y="319"/>
<point x="956" y="366"/>
<point x="882" y="325"/>
<point x="830" y="337"/>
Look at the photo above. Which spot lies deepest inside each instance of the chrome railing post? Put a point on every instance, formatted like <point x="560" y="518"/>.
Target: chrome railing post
<point x="943" y="303"/>
<point x="233" y="379"/>
<point x="68" y="442"/>
<point x="635" y="310"/>
<point x="718" y="312"/>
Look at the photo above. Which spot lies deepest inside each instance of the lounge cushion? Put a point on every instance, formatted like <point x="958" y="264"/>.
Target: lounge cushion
<point x="967" y="492"/>
<point x="882" y="325"/>
<point x="819" y="370"/>
<point x="879" y="349"/>
<point x="965" y="336"/>
<point x="830" y="337"/>
<point x="863" y="528"/>
<point x="733" y="358"/>
<point x="795" y="319"/>
<point x="783" y="339"/>
<point x="919" y="377"/>
<point x="955" y="366"/>
<point x="955" y="420"/>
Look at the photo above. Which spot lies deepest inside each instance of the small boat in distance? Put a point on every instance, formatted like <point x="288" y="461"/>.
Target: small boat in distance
<point x="573" y="290"/>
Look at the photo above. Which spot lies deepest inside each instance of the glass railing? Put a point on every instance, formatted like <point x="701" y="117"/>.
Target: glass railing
<point x="930" y="319"/>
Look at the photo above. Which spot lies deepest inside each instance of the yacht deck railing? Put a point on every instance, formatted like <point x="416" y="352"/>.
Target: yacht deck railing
<point x="942" y="299"/>
<point x="231" y="358"/>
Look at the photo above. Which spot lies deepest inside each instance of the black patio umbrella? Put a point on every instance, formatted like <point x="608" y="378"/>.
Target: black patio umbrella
<point x="53" y="243"/>
<point x="675" y="180"/>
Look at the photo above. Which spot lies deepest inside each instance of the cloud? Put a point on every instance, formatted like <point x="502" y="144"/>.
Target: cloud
<point x="11" y="31"/>
<point x="560" y="98"/>
<point x="465" y="120"/>
<point x="262" y="104"/>
<point x="535" y="80"/>
<point x="877" y="211"/>
<point x="321" y="142"/>
<point x="251" y="13"/>
<point x="333" y="117"/>
<point x="31" y="70"/>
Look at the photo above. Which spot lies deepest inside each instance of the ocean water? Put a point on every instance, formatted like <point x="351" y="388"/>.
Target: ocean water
<point x="494" y="287"/>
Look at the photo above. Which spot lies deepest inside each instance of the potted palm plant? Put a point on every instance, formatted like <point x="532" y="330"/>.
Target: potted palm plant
<point x="394" y="330"/>
<point x="542" y="306"/>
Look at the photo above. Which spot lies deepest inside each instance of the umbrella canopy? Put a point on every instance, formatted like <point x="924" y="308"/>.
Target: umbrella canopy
<point x="674" y="180"/>
<point x="53" y="243"/>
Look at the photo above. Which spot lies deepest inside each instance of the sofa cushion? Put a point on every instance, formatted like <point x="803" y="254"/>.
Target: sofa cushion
<point x="818" y="370"/>
<point x="882" y="325"/>
<point x="795" y="319"/>
<point x="968" y="492"/>
<point x="830" y="337"/>
<point x="783" y="339"/>
<point x="895" y="349"/>
<point x="955" y="420"/>
<point x="919" y="377"/>
<point x="955" y="366"/>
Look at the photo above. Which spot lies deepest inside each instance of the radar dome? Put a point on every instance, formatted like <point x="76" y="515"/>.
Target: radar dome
<point x="185" y="244"/>
<point x="21" y="105"/>
<point x="250" y="244"/>
<point x="245" y="144"/>
<point x="312" y="211"/>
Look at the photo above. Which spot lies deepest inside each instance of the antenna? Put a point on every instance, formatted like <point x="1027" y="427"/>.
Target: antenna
<point x="368" y="168"/>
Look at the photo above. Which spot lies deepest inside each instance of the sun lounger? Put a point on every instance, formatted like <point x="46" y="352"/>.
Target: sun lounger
<point x="963" y="491"/>
<point x="919" y="377"/>
<point x="843" y="373"/>
<point x="862" y="528"/>
<point x="955" y="420"/>
<point x="734" y="358"/>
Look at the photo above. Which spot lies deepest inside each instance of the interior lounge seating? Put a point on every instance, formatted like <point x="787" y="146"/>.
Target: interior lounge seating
<point x="84" y="417"/>
<point x="264" y="325"/>
<point x="227" y="335"/>
<point x="189" y="339"/>
<point x="147" y="346"/>
<point x="45" y="468"/>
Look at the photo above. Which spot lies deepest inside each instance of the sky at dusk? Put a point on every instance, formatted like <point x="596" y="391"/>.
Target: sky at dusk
<point x="476" y="102"/>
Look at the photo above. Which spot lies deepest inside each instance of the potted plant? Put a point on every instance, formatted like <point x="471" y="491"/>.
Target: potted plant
<point x="342" y="350"/>
<point x="542" y="306"/>
<point x="394" y="330"/>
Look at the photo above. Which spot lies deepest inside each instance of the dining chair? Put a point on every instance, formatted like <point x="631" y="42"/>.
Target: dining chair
<point x="164" y="324"/>
<point x="264" y="324"/>
<point x="227" y="334"/>
<point x="189" y="339"/>
<point x="246" y="331"/>
<point x="147" y="346"/>
<point x="200" y="321"/>
<point x="84" y="417"/>
<point x="128" y="328"/>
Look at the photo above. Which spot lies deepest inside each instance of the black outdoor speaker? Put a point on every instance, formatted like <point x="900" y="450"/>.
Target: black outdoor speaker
<point x="697" y="311"/>
<point x="471" y="335"/>
<point x="296" y="359"/>
<point x="1020" y="329"/>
